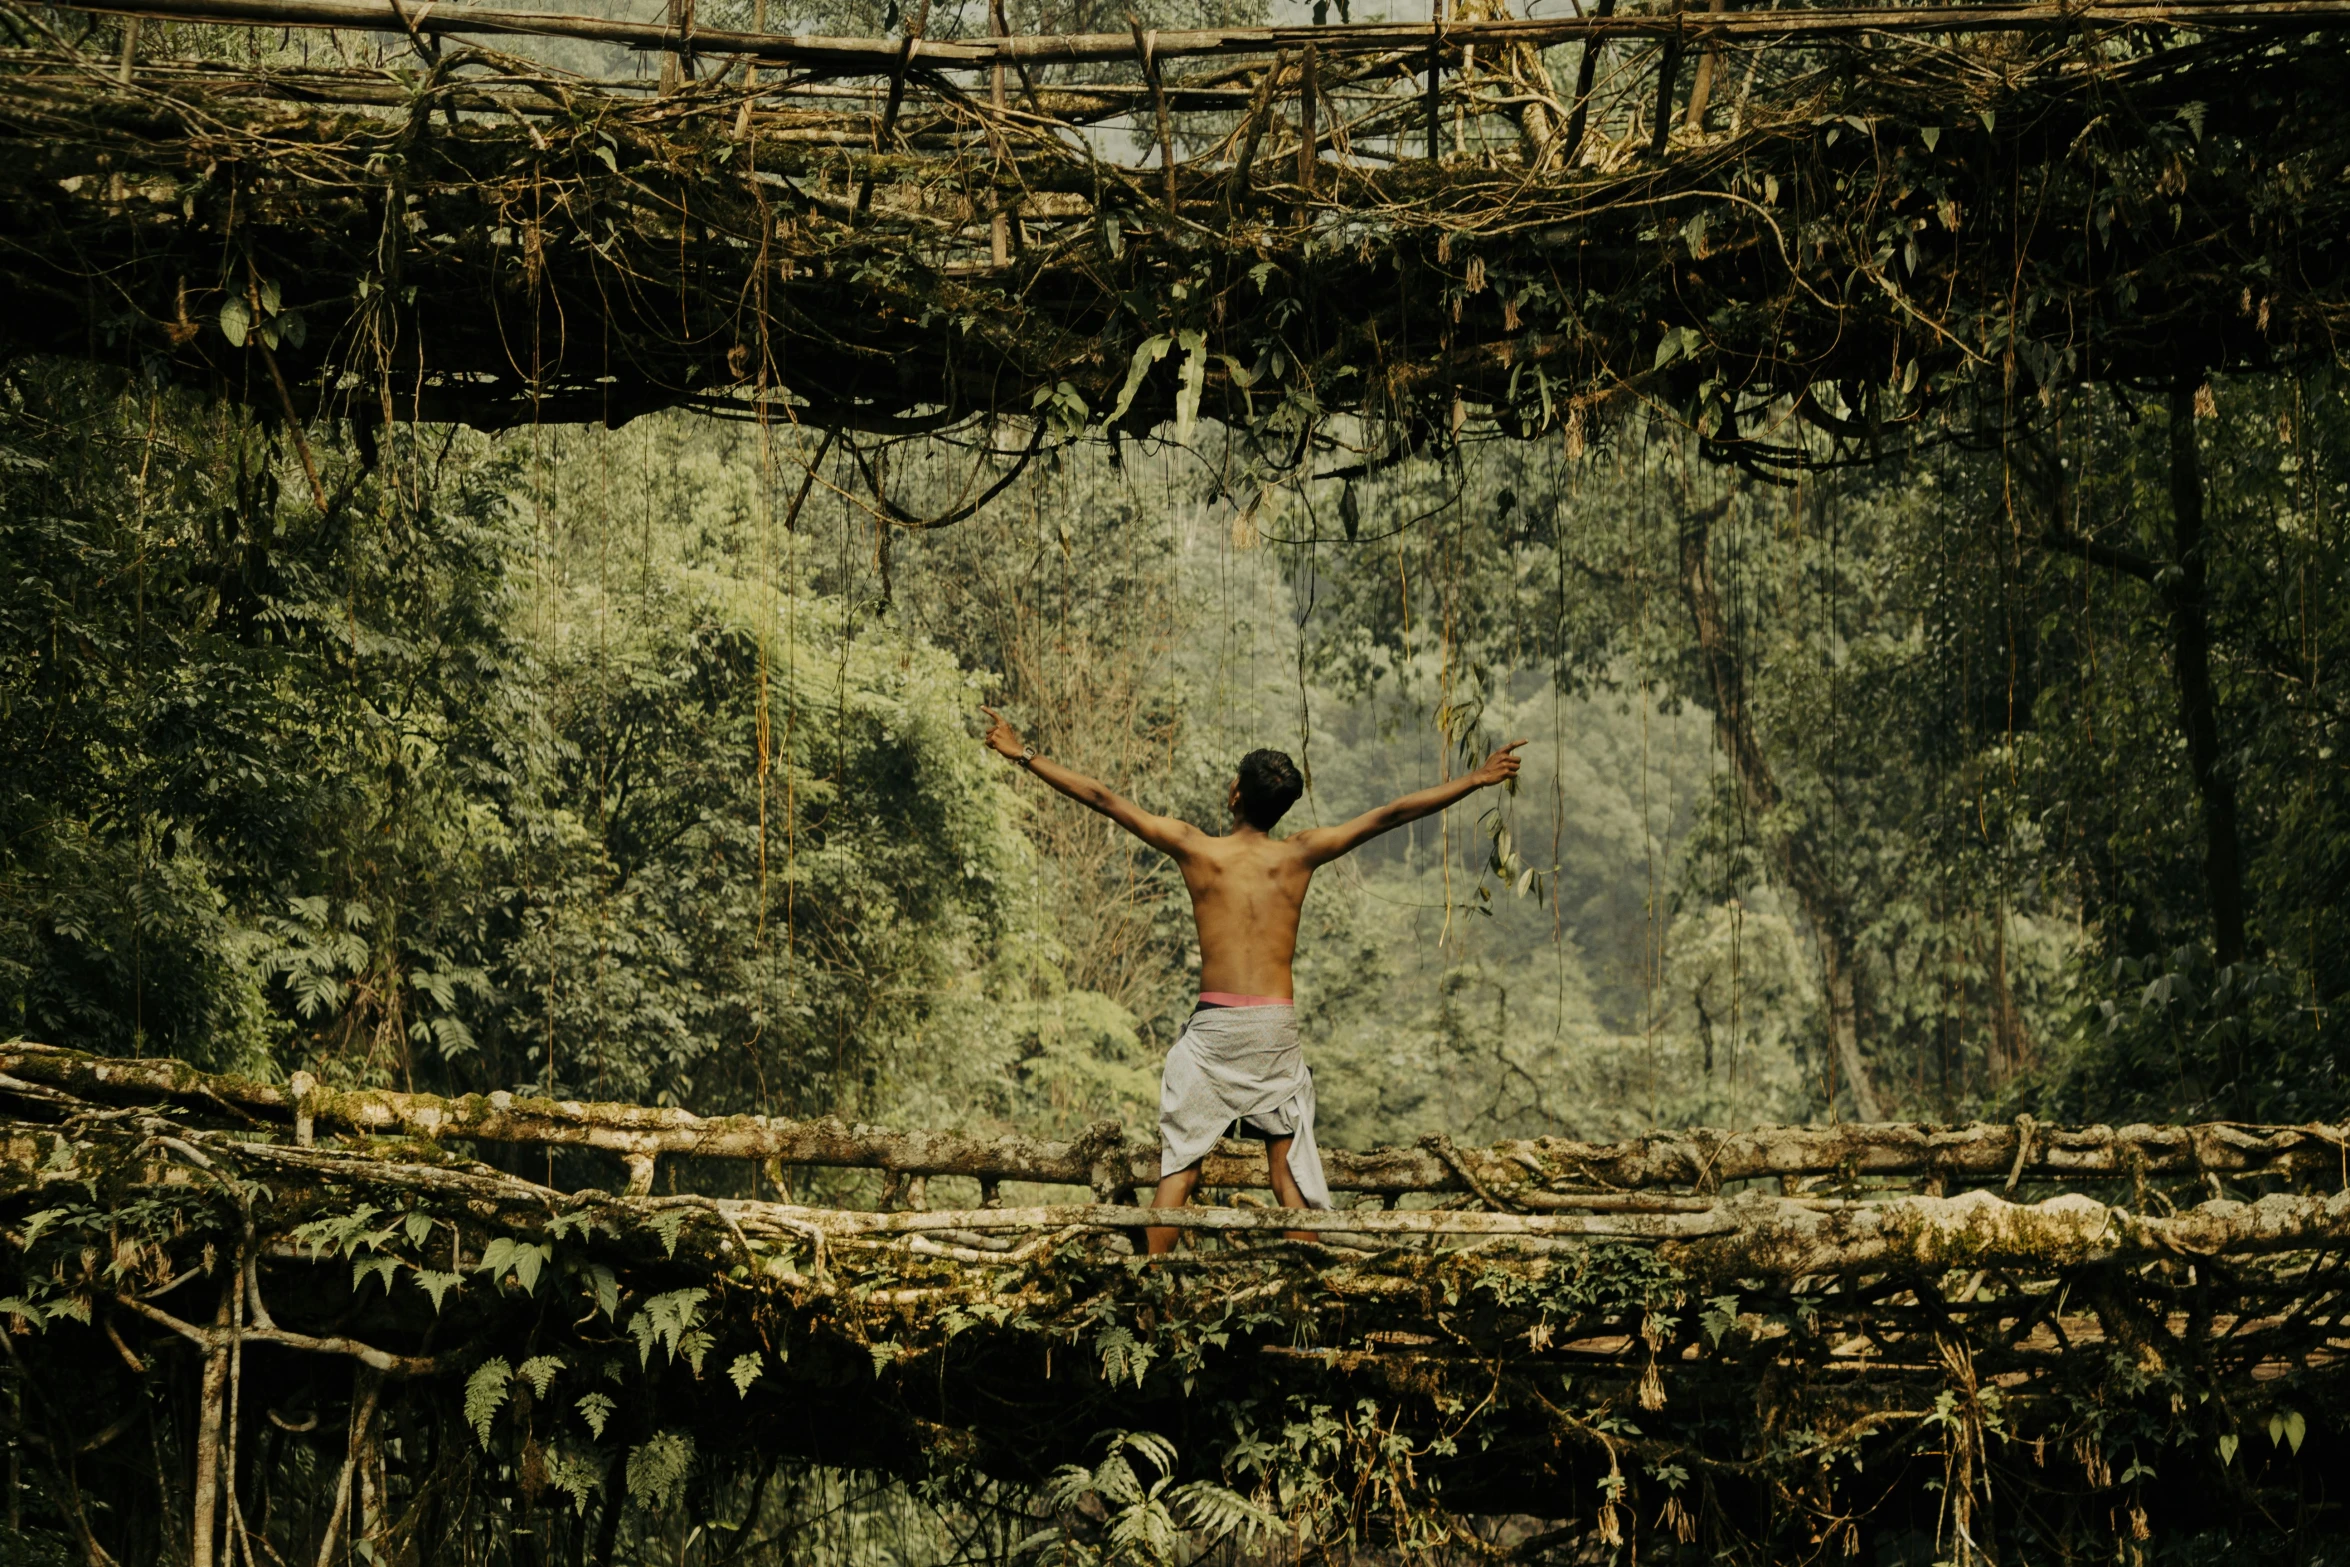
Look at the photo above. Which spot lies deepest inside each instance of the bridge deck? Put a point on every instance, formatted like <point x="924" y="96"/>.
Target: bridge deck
<point x="1496" y="1330"/>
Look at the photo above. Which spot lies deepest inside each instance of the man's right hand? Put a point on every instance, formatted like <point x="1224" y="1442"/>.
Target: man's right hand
<point x="1501" y="767"/>
<point x="1001" y="738"/>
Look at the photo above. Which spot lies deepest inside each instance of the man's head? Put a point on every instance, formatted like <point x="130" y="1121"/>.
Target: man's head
<point x="1268" y="785"/>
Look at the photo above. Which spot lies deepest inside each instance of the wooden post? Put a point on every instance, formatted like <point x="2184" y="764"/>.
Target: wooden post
<point x="1701" y="89"/>
<point x="302" y="1085"/>
<point x="999" y="223"/>
<point x="1259" y="110"/>
<point x="1435" y="80"/>
<point x="742" y="121"/>
<point x="1585" y="73"/>
<point x="897" y="98"/>
<point x="1145" y="45"/>
<point x="673" y="64"/>
<point x="1667" y="69"/>
<point x="1309" y="87"/>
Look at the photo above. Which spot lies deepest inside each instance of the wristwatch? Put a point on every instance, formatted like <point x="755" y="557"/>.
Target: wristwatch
<point x="1027" y="755"/>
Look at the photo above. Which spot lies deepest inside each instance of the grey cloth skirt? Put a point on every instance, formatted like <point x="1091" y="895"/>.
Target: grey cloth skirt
<point x="1240" y="1064"/>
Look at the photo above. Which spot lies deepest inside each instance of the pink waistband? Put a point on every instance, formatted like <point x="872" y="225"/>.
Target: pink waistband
<point x="1225" y="998"/>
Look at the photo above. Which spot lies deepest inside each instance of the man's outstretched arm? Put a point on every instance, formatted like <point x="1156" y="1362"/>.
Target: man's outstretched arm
<point x="1324" y="844"/>
<point x="1164" y="833"/>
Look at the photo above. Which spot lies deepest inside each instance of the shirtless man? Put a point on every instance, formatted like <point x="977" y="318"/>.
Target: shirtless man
<point x="1238" y="1057"/>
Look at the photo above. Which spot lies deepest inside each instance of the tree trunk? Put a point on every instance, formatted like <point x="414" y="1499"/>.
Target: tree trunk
<point x="2223" y="871"/>
<point x="1823" y="908"/>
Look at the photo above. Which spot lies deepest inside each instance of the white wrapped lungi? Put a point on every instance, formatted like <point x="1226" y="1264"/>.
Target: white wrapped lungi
<point x="1240" y="1064"/>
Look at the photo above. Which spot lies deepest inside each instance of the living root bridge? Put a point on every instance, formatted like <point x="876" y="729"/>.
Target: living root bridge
<point x="1903" y="221"/>
<point x="891" y="56"/>
<point x="313" y="1287"/>
<point x="1531" y="1173"/>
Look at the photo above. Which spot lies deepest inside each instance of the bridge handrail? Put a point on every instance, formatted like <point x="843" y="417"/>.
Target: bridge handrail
<point x="1527" y="1173"/>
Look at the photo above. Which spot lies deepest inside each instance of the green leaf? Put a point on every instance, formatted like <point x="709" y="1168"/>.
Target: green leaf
<point x="1931" y="135"/>
<point x="485" y="1391"/>
<point x="270" y="297"/>
<point x="607" y="1288"/>
<point x="23" y="1310"/>
<point x="2295" y="1429"/>
<point x="539" y="1371"/>
<point x="523" y="1259"/>
<point x="611" y="159"/>
<point x="418" y="1226"/>
<point x="235" y="321"/>
<point x="2227" y="1449"/>
<point x="1191" y="380"/>
<point x="1147" y="353"/>
<point x="669" y="1223"/>
<point x="743" y="1373"/>
<point x="1719" y="1317"/>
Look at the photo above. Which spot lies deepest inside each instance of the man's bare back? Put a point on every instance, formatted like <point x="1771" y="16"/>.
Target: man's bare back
<point x="1247" y="887"/>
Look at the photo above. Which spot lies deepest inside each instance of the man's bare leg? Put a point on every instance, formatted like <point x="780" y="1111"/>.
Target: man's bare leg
<point x="1285" y="1190"/>
<point x="1174" y="1191"/>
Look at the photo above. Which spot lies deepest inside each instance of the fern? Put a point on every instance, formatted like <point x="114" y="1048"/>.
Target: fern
<point x="666" y="1320"/>
<point x="743" y="1373"/>
<point x="385" y="1267"/>
<point x="1122" y="1356"/>
<point x="485" y="1392"/>
<point x="657" y="1469"/>
<point x="539" y="1371"/>
<point x="436" y="1284"/>
<point x="1217" y="1511"/>
<point x="575" y="1475"/>
<point x="1068" y="1488"/>
<point x="595" y="1409"/>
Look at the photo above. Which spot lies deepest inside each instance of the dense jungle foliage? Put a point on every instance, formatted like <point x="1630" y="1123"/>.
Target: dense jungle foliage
<point x="641" y="764"/>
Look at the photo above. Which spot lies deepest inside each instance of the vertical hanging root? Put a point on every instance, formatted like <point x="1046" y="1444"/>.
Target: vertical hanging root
<point x="366" y="1387"/>
<point x="212" y="1407"/>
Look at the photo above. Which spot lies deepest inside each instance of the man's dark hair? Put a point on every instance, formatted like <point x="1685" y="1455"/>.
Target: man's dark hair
<point x="1269" y="786"/>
